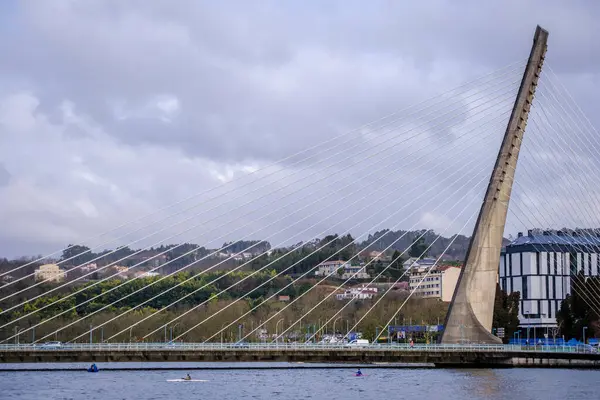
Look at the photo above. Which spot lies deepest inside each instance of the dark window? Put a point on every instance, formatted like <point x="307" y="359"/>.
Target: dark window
<point x="524" y="285"/>
<point x="555" y="263"/>
<point x="505" y="265"/>
<point x="572" y="264"/>
<point x="503" y="284"/>
<point x="548" y="261"/>
<point x="510" y="265"/>
<point x="549" y="309"/>
<point x="547" y="287"/>
<point x="554" y="287"/>
<point x="589" y="257"/>
<point x="521" y="263"/>
<point x="537" y="263"/>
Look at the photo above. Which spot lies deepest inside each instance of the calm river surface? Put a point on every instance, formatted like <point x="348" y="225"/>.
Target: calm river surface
<point x="339" y="383"/>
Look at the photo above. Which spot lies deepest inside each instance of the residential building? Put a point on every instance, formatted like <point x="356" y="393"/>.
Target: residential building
<point x="49" y="272"/>
<point x="121" y="269"/>
<point x="418" y="263"/>
<point x="355" y="272"/>
<point x="378" y="256"/>
<point x="432" y="281"/>
<point x="357" y="293"/>
<point x="327" y="268"/>
<point x="540" y="266"/>
<point x="332" y="268"/>
<point x="391" y="285"/>
<point x="89" y="267"/>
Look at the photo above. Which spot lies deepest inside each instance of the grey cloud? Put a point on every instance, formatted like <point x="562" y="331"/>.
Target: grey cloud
<point x="253" y="84"/>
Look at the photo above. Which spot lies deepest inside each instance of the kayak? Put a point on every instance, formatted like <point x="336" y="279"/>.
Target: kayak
<point x="186" y="380"/>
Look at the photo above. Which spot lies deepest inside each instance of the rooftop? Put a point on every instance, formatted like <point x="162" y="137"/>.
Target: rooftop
<point x="556" y="238"/>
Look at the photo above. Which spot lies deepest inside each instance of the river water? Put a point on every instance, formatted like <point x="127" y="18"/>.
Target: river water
<point x="337" y="383"/>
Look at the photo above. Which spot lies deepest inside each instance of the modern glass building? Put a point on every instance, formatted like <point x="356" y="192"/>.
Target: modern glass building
<point x="540" y="265"/>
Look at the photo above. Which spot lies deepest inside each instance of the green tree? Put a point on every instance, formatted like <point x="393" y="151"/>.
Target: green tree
<point x="418" y="248"/>
<point x="77" y="254"/>
<point x="575" y="312"/>
<point x="506" y="312"/>
<point x="396" y="269"/>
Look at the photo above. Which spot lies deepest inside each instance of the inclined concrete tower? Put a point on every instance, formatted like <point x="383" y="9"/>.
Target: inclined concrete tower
<point x="469" y="318"/>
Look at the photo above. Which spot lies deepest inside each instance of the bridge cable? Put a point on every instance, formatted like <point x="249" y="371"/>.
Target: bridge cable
<point x="298" y="297"/>
<point x="225" y="290"/>
<point x="88" y="287"/>
<point x="511" y="66"/>
<point x="185" y="231"/>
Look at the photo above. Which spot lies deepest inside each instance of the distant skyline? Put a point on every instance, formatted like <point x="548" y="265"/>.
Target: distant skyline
<point x="113" y="109"/>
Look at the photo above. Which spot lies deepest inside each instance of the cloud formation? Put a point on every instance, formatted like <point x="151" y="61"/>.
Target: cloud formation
<point x="110" y="110"/>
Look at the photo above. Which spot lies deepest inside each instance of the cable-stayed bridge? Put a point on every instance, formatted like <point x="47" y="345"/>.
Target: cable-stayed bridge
<point x="435" y="164"/>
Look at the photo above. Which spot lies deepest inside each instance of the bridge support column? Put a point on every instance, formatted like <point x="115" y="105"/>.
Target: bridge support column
<point x="469" y="318"/>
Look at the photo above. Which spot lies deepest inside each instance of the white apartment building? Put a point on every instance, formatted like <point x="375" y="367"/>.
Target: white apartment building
<point x="49" y="272"/>
<point x="331" y="268"/>
<point x="540" y="266"/>
<point x="436" y="282"/>
<point x="357" y="293"/>
<point x="416" y="263"/>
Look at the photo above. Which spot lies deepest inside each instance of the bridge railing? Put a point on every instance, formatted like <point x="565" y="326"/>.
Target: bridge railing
<point x="292" y="346"/>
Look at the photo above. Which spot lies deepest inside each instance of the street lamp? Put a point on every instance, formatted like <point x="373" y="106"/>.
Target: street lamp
<point x="277" y="336"/>
<point x="334" y="332"/>
<point x="584" y="328"/>
<point x="222" y="328"/>
<point x="377" y="332"/>
<point x="172" y="328"/>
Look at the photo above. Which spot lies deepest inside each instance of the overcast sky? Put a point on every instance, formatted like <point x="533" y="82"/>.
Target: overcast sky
<point x="113" y="109"/>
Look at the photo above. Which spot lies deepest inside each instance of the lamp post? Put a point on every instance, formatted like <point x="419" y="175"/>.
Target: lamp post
<point x="172" y="328"/>
<point x="222" y="327"/>
<point x="377" y="332"/>
<point x="584" y="328"/>
<point x="276" y="335"/>
<point x="334" y="332"/>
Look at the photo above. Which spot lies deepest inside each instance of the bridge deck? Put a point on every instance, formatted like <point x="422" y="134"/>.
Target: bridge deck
<point x="453" y="355"/>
